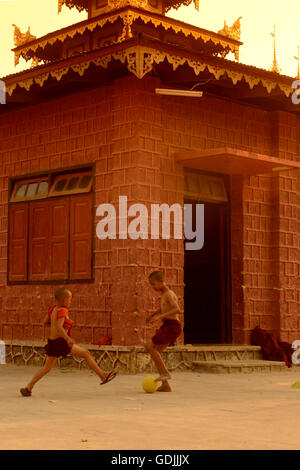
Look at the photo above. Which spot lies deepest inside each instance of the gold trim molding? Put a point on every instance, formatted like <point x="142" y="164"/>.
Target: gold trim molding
<point x="116" y="4"/>
<point x="140" y="60"/>
<point x="129" y="17"/>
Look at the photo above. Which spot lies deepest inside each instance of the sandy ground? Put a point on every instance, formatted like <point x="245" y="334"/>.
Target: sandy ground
<point x="70" y="411"/>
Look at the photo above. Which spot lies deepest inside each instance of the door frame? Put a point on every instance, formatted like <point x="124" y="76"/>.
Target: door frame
<point x="225" y="255"/>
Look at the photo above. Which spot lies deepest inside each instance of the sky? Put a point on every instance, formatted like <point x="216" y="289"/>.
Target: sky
<point x="258" y="19"/>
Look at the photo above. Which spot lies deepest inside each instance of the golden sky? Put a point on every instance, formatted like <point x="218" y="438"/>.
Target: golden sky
<point x="258" y="18"/>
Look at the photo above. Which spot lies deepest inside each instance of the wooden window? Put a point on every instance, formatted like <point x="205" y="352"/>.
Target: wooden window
<point x="18" y="221"/>
<point x="51" y="238"/>
<point x="71" y="184"/>
<point x="38" y="241"/>
<point x="205" y="187"/>
<point x="80" y="239"/>
<point x="59" y="238"/>
<point x="30" y="189"/>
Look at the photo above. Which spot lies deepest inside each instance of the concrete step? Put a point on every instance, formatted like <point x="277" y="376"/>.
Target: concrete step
<point x="223" y="352"/>
<point x="231" y="367"/>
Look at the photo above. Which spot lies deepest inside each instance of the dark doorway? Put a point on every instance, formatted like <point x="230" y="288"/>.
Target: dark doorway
<point x="207" y="280"/>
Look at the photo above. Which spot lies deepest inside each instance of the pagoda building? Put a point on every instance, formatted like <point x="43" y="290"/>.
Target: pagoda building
<point x="86" y="124"/>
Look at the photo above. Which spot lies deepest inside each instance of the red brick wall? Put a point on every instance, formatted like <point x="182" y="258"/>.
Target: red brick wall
<point x="60" y="133"/>
<point x="131" y="134"/>
<point x="264" y="209"/>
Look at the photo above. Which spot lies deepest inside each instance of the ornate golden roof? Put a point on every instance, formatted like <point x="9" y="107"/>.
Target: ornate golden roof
<point x="126" y="23"/>
<point x="141" y="57"/>
<point x="137" y="41"/>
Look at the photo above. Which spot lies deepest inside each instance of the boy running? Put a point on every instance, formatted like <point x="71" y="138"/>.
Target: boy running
<point x="170" y="329"/>
<point x="61" y="344"/>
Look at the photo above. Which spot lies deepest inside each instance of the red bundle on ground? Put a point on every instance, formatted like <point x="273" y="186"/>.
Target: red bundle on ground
<point x="272" y="349"/>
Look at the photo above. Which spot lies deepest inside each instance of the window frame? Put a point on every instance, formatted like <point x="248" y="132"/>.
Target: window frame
<point x="52" y="193"/>
<point x="209" y="178"/>
<point x="51" y="175"/>
<point x="27" y="181"/>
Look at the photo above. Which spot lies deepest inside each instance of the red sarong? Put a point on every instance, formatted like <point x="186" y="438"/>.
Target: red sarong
<point x="167" y="333"/>
<point x="57" y="347"/>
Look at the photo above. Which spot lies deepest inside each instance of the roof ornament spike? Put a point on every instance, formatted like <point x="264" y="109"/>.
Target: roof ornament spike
<point x="233" y="31"/>
<point x="275" y="67"/>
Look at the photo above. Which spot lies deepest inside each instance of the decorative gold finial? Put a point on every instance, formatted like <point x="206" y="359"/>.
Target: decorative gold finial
<point x="22" y="38"/>
<point x="234" y="31"/>
<point x="298" y="60"/>
<point x="275" y="67"/>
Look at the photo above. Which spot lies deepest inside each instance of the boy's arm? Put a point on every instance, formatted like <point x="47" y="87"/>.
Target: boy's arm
<point x="46" y="320"/>
<point x="174" y="307"/>
<point x="62" y="332"/>
<point x="153" y="314"/>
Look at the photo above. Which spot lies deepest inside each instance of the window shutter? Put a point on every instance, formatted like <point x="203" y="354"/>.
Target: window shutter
<point x="39" y="241"/>
<point x="18" y="238"/>
<point x="81" y="237"/>
<point x="58" y="238"/>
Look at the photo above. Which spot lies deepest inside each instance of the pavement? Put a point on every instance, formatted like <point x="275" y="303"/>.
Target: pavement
<point x="70" y="411"/>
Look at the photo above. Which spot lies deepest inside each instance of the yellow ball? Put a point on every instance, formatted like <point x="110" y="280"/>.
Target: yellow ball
<point x="149" y="385"/>
<point x="296" y="385"/>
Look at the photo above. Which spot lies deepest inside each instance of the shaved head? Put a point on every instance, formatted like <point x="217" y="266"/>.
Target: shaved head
<point x="62" y="293"/>
<point x="156" y="276"/>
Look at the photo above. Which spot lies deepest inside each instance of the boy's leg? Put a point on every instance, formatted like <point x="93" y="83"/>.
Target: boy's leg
<point x="81" y="352"/>
<point x="155" y="351"/>
<point x="50" y="361"/>
<point x="165" y="386"/>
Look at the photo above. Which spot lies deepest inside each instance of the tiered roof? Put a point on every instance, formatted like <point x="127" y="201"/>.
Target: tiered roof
<point x="135" y="40"/>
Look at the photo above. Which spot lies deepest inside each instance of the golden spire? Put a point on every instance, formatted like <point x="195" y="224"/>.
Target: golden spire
<point x="275" y="67"/>
<point x="298" y="60"/>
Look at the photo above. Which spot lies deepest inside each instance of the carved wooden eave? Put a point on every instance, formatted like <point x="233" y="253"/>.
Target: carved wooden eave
<point x="141" y="57"/>
<point x="82" y="5"/>
<point x="128" y="18"/>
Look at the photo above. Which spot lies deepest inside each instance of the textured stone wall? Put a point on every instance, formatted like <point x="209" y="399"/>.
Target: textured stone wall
<point x="131" y="135"/>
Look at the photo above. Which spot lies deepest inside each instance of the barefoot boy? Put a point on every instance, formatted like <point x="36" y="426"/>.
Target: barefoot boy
<point x="61" y="344"/>
<point x="170" y="329"/>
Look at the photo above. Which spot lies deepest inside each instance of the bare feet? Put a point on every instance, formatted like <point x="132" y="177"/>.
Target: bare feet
<point x="163" y="378"/>
<point x="26" y="392"/>
<point x="164" y="388"/>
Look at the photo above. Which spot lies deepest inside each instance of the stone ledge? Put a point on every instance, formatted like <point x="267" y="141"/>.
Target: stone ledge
<point x="128" y="359"/>
<point x="132" y="359"/>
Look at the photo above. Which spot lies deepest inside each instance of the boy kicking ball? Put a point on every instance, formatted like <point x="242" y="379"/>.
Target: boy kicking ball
<point x="61" y="344"/>
<point x="169" y="331"/>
